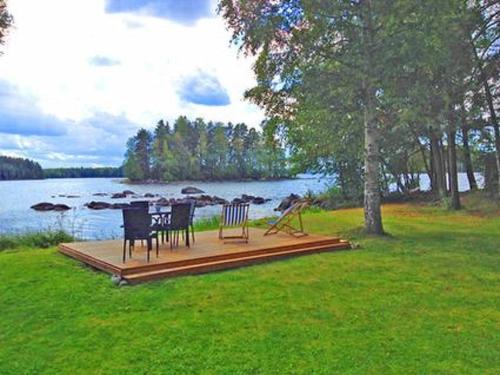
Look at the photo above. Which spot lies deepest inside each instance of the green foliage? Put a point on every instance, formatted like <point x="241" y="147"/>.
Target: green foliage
<point x="334" y="198"/>
<point x="424" y="300"/>
<point x="19" y="169"/>
<point x="353" y="84"/>
<point x="6" y="21"/>
<point x="41" y="240"/>
<point x="131" y="167"/>
<point x="195" y="150"/>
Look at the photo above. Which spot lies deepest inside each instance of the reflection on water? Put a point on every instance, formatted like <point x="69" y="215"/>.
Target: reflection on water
<point x="17" y="197"/>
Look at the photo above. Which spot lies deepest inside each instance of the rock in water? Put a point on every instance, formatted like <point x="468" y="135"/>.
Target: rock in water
<point x="219" y="200"/>
<point x="247" y="198"/>
<point x="120" y="206"/>
<point x="258" y="200"/>
<point x="287" y="202"/>
<point x="61" y="207"/>
<point x="191" y="190"/>
<point x="44" y="206"/>
<point x="98" y="205"/>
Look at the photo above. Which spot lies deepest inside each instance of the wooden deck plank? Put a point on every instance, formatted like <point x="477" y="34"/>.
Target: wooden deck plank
<point x="206" y="253"/>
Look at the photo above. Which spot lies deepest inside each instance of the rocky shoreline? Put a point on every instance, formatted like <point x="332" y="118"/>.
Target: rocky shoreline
<point x="193" y="194"/>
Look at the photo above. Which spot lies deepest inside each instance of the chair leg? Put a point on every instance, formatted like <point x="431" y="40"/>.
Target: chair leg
<point x="245" y="233"/>
<point x="192" y="232"/>
<point x="149" y="243"/>
<point x="124" y="250"/>
<point x="157" y="248"/>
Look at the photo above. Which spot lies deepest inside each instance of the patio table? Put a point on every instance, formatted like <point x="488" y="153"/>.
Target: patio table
<point x="160" y="218"/>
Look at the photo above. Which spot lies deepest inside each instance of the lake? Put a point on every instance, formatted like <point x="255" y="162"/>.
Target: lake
<point x="18" y="196"/>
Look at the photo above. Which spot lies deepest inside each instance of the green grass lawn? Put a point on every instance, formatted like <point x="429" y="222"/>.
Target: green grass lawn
<point x="424" y="300"/>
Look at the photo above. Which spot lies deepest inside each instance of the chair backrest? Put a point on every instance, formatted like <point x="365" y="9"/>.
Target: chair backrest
<point x="234" y="214"/>
<point x="180" y="216"/>
<point x="293" y="210"/>
<point x="136" y="223"/>
<point x="144" y="205"/>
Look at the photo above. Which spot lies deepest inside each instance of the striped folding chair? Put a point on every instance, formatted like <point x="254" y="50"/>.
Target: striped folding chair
<point x="233" y="216"/>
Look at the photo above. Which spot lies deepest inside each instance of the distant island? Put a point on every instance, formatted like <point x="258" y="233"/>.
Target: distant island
<point x="206" y="151"/>
<point x="187" y="150"/>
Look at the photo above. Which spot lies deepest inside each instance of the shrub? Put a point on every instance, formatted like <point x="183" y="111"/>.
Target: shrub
<point x="34" y="240"/>
<point x="209" y="223"/>
<point x="334" y="198"/>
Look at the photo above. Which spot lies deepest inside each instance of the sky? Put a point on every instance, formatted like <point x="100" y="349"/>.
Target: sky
<point x="79" y="77"/>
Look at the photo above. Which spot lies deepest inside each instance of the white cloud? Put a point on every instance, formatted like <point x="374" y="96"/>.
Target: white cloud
<point x="51" y="55"/>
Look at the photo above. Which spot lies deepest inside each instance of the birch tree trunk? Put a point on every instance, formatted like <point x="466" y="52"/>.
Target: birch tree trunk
<point x="373" y="215"/>
<point x="439" y="168"/>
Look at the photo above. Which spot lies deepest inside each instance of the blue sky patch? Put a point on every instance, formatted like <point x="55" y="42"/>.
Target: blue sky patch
<point x="20" y="115"/>
<point x="182" y="11"/>
<point x="103" y="61"/>
<point x="204" y="89"/>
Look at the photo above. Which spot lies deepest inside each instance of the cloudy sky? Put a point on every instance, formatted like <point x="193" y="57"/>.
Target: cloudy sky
<point x="77" y="78"/>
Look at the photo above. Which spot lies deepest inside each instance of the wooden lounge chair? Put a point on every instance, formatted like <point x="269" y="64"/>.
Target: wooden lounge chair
<point x="233" y="216"/>
<point x="285" y="222"/>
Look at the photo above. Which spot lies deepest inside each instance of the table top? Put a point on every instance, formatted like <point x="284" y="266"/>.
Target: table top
<point x="159" y="213"/>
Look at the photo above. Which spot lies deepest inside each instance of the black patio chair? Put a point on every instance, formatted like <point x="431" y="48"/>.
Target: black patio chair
<point x="144" y="205"/>
<point x="137" y="226"/>
<point x="180" y="218"/>
<point x="140" y="205"/>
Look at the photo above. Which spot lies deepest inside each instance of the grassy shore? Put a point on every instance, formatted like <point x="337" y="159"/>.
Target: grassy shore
<point x="42" y="240"/>
<point x="425" y="299"/>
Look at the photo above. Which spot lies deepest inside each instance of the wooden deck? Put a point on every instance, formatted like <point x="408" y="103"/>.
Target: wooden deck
<point x="207" y="254"/>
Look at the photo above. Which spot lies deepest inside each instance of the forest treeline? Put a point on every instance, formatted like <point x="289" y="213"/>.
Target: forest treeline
<point x="25" y="169"/>
<point x="199" y="150"/>
<point x="19" y="169"/>
<point x="83" y="172"/>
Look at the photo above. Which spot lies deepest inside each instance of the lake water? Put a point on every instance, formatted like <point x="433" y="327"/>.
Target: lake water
<point x="16" y="198"/>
